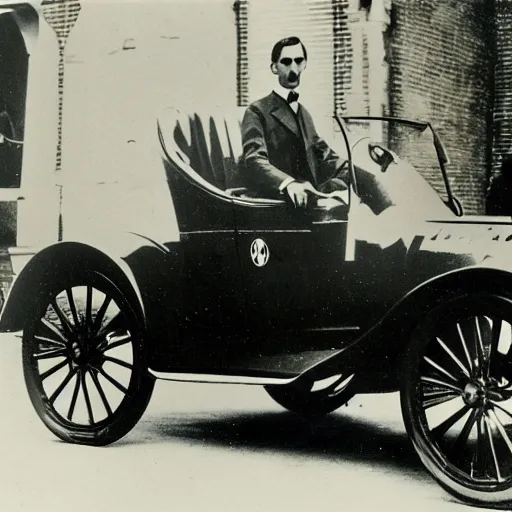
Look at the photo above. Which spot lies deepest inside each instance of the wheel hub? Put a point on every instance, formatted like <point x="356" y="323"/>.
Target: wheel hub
<point x="76" y="352"/>
<point x="474" y="393"/>
<point x="81" y="351"/>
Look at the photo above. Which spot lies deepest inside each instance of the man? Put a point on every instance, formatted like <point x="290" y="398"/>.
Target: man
<point x="283" y="153"/>
<point x="10" y="150"/>
<point x="499" y="197"/>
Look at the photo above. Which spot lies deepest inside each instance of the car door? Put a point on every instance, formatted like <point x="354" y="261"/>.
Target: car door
<point x="293" y="267"/>
<point x="275" y="245"/>
<point x="208" y="296"/>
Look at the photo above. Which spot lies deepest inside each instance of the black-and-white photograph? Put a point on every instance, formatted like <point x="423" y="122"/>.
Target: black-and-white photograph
<point x="255" y="255"/>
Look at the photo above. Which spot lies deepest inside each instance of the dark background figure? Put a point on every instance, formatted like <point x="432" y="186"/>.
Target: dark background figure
<point x="499" y="196"/>
<point x="10" y="176"/>
<point x="13" y="91"/>
<point x="10" y="151"/>
<point x="283" y="152"/>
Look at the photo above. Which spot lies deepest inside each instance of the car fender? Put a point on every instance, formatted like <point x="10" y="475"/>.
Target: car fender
<point x="382" y="345"/>
<point x="468" y="280"/>
<point x="115" y="255"/>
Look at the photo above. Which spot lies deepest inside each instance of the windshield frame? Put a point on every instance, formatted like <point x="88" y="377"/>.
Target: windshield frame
<point x="441" y="152"/>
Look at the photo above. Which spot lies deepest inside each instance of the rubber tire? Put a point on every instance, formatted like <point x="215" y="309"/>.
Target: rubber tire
<point x="306" y="403"/>
<point x="501" y="499"/>
<point x="140" y="387"/>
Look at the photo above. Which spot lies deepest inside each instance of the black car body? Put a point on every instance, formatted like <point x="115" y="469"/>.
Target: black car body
<point x="386" y="287"/>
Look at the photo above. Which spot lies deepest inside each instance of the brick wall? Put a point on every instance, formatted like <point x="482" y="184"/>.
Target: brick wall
<point x="441" y="69"/>
<point x="342" y="57"/>
<point x="502" y="143"/>
<point x="61" y="15"/>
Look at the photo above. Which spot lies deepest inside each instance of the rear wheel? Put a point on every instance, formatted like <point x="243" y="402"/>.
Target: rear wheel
<point x="457" y="397"/>
<point x="84" y="361"/>
<point x="315" y="398"/>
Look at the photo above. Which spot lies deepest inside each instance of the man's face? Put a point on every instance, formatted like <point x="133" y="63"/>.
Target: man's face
<point x="290" y="66"/>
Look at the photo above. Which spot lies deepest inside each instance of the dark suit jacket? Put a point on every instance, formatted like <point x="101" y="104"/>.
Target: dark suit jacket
<point x="499" y="196"/>
<point x="279" y="144"/>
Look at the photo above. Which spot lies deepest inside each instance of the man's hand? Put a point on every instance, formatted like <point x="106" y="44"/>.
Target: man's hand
<point x="298" y="192"/>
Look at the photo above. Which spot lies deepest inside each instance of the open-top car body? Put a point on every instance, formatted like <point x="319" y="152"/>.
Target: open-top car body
<point x="384" y="287"/>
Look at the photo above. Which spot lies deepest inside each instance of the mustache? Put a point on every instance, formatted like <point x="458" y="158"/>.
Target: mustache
<point x="292" y="76"/>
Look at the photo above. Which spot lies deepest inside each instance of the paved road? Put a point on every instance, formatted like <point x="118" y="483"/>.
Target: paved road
<point x="214" y="448"/>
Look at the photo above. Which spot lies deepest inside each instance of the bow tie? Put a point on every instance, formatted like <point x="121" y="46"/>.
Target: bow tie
<point x="292" y="96"/>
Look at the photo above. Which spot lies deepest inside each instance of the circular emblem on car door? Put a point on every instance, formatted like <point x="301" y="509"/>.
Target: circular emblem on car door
<point x="259" y="252"/>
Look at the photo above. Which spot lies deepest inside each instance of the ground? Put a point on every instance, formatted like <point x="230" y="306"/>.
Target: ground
<point x="214" y="448"/>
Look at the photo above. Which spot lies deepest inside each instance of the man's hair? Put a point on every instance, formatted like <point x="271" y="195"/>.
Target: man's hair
<point x="287" y="41"/>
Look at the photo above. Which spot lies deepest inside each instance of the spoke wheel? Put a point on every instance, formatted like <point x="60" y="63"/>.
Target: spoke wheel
<point x="315" y="398"/>
<point x="456" y="397"/>
<point x="84" y="361"/>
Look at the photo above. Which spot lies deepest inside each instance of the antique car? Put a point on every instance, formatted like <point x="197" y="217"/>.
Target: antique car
<point x="383" y="287"/>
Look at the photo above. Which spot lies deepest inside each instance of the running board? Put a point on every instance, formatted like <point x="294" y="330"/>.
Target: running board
<point x="221" y="379"/>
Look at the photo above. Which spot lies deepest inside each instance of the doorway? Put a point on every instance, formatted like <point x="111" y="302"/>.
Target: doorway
<point x="13" y="93"/>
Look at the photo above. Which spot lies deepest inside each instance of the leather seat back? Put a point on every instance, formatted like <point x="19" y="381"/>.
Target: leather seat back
<point x="209" y="143"/>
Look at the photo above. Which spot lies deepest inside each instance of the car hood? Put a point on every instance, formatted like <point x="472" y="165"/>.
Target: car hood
<point x="479" y="240"/>
<point x="443" y="243"/>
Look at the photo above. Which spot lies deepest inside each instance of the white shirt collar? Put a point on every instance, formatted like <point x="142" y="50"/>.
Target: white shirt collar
<point x="283" y="91"/>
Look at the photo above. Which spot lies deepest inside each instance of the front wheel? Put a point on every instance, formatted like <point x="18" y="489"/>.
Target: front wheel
<point x="84" y="360"/>
<point x="456" y="397"/>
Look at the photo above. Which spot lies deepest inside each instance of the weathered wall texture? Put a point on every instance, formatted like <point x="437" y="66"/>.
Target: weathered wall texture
<point x="503" y="83"/>
<point x="122" y="69"/>
<point x="441" y="64"/>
